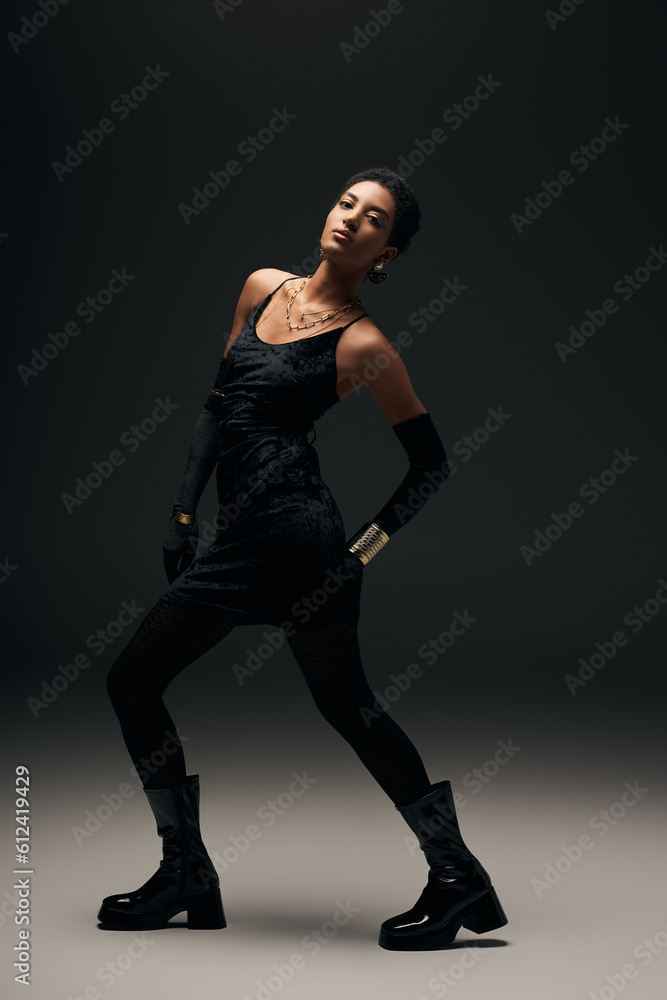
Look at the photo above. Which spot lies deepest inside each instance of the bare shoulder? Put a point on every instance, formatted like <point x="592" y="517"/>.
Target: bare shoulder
<point x="257" y="286"/>
<point x="263" y="281"/>
<point x="365" y="339"/>
<point x="368" y="331"/>
<point x="368" y="359"/>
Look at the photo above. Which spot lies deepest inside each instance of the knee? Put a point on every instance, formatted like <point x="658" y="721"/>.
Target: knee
<point x="114" y="683"/>
<point x="345" y="716"/>
<point x="118" y="681"/>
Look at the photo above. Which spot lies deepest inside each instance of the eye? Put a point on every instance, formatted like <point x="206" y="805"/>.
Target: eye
<point x="374" y="219"/>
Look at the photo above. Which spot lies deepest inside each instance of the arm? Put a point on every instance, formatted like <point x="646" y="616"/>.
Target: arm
<point x="181" y="542"/>
<point x="412" y="424"/>
<point x="203" y="454"/>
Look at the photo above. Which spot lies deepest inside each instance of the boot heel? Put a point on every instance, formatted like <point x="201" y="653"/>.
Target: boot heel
<point x="485" y="915"/>
<point x="205" y="912"/>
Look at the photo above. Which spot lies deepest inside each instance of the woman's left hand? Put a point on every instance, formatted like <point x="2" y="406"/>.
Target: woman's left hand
<point x="179" y="549"/>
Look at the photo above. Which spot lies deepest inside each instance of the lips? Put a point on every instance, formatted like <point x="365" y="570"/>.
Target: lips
<point x="343" y="232"/>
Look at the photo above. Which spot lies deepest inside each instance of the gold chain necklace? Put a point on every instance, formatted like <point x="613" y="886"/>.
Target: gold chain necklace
<point x="327" y="315"/>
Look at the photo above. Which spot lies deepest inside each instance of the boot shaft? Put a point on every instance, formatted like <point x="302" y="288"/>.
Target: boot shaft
<point x="434" y="821"/>
<point x="176" y="812"/>
<point x="433" y="817"/>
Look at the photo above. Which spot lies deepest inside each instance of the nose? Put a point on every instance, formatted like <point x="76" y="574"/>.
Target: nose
<point x="349" y="219"/>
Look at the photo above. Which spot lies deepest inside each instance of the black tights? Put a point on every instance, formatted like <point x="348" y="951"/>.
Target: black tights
<point x="172" y="636"/>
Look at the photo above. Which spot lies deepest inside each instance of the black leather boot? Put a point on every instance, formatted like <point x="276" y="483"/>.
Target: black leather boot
<point x="186" y="878"/>
<point x="458" y="893"/>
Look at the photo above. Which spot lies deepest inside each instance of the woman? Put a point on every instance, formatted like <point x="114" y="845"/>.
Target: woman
<point x="280" y="556"/>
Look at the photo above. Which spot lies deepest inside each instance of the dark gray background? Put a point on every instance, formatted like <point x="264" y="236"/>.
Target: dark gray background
<point x="493" y="347"/>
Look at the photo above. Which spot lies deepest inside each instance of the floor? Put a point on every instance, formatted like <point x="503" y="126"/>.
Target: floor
<point x="579" y="871"/>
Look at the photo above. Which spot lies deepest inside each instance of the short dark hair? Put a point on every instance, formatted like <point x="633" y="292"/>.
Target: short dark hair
<point x="408" y="209"/>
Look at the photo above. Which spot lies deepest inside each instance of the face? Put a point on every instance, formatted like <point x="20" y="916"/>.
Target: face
<point x="366" y="212"/>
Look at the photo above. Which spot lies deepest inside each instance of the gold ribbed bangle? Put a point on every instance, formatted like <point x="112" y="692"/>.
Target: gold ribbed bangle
<point x="368" y="542"/>
<point x="217" y="392"/>
<point x="183" y="518"/>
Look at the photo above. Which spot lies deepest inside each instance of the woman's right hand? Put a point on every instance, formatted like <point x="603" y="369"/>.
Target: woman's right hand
<point x="180" y="548"/>
<point x="353" y="566"/>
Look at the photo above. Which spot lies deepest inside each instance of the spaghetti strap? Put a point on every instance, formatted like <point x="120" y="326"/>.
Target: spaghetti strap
<point x="353" y="321"/>
<point x="279" y="286"/>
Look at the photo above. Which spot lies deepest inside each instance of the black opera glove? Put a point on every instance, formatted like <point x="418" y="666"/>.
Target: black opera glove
<point x="180" y="545"/>
<point x="179" y="549"/>
<point x="427" y="472"/>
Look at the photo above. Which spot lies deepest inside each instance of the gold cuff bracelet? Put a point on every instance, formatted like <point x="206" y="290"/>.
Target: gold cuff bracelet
<point x="368" y="542"/>
<point x="183" y="518"/>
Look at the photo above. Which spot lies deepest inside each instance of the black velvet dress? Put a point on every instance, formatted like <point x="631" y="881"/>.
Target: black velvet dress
<point x="279" y="554"/>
